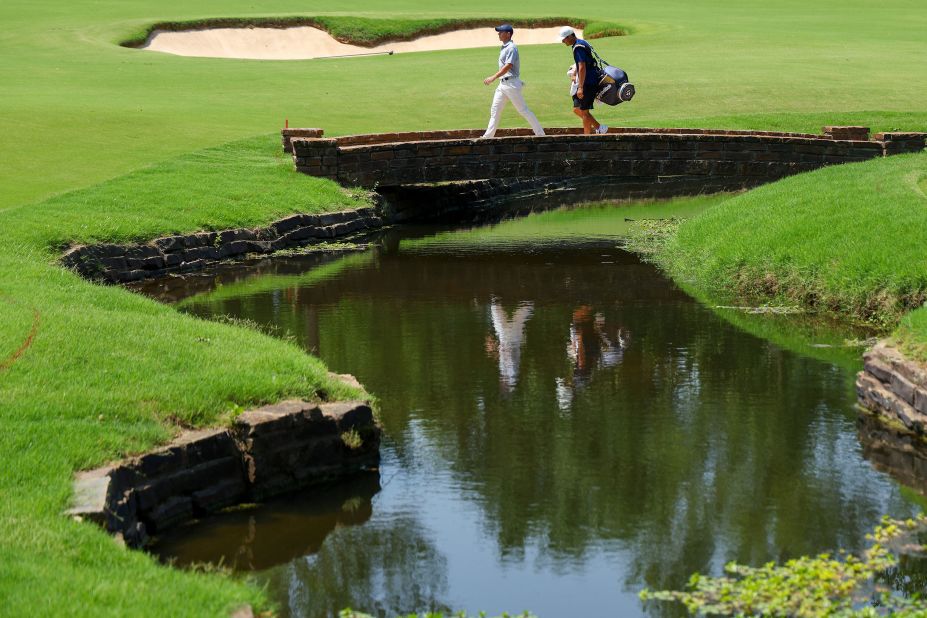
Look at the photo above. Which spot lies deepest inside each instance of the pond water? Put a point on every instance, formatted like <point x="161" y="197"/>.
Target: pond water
<point x="563" y="426"/>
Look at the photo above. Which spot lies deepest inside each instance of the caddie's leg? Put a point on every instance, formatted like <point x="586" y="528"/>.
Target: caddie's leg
<point x="518" y="100"/>
<point x="495" y="112"/>
<point x="585" y="117"/>
<point x="590" y="124"/>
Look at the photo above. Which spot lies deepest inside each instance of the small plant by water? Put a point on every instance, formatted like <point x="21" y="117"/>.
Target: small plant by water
<point x="823" y="585"/>
<point x="648" y="237"/>
<point x="352" y="439"/>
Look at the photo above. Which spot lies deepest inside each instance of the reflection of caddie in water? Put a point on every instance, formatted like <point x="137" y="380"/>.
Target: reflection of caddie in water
<point x="510" y="85"/>
<point x="590" y="347"/>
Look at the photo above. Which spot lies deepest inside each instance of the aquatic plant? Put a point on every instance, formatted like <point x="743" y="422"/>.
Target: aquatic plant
<point x="823" y="585"/>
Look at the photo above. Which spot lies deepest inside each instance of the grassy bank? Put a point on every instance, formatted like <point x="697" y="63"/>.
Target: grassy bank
<point x="846" y="240"/>
<point x="241" y="184"/>
<point x="89" y="373"/>
<point x="911" y="334"/>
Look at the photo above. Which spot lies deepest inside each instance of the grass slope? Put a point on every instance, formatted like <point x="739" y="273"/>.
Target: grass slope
<point x="107" y="373"/>
<point x="847" y="239"/>
<point x="911" y="335"/>
<point x="90" y="373"/>
<point x="240" y="184"/>
<point x="110" y="373"/>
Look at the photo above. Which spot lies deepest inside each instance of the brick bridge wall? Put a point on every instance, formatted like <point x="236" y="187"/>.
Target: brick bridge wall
<point x="689" y="158"/>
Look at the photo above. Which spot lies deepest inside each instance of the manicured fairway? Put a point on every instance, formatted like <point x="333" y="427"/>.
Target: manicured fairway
<point x="77" y="109"/>
<point x="88" y="373"/>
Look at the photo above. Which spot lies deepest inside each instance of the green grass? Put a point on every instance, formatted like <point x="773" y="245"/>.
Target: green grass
<point x="240" y="184"/>
<point x="108" y="373"/>
<point x="79" y="109"/>
<point x="111" y="373"/>
<point x="845" y="239"/>
<point x="911" y="334"/>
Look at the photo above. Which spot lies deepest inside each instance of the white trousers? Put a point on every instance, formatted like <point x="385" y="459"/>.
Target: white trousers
<point x="505" y="92"/>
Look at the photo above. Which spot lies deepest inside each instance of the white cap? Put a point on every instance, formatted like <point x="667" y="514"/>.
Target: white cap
<point x="565" y="32"/>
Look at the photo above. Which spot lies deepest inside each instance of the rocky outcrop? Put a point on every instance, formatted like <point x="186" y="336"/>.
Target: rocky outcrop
<point x="268" y="451"/>
<point x="894" y="386"/>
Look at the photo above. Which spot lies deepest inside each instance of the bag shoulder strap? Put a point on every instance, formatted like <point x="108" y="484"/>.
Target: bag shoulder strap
<point x="602" y="62"/>
<point x="596" y="58"/>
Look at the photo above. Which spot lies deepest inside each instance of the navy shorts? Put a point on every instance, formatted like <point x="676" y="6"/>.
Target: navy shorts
<point x="587" y="101"/>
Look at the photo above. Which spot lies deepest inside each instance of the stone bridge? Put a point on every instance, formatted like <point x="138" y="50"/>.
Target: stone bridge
<point x="452" y="167"/>
<point x="456" y="176"/>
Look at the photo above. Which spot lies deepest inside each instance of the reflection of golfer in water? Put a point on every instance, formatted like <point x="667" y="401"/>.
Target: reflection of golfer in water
<point x="590" y="347"/>
<point x="509" y="335"/>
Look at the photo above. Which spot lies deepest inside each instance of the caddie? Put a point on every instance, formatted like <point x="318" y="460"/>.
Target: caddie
<point x="510" y="85"/>
<point x="588" y="75"/>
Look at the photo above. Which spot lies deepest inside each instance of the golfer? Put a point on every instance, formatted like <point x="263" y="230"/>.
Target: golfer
<point x="510" y="85"/>
<point x="587" y="80"/>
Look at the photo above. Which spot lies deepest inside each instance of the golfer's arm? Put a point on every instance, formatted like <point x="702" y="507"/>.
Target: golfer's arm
<point x="580" y="74"/>
<point x="505" y="69"/>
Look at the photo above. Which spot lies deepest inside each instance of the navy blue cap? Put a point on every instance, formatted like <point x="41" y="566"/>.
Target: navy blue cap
<point x="505" y="28"/>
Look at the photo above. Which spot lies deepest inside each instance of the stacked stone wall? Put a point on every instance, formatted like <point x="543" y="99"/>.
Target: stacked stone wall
<point x="738" y="158"/>
<point x="426" y="136"/>
<point x="115" y="263"/>
<point x="894" y="387"/>
<point x="288" y="134"/>
<point x="268" y="451"/>
<point x="900" y="142"/>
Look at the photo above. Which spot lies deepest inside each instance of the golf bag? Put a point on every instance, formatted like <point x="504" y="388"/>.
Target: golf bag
<point x="614" y="87"/>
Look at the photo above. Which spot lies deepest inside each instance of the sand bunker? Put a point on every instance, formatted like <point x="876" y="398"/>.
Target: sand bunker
<point x="305" y="42"/>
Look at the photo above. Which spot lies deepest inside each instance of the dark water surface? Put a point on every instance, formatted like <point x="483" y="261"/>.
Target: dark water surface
<point x="563" y="426"/>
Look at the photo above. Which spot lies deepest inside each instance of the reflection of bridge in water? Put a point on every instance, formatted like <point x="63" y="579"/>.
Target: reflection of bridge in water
<point x="273" y="533"/>
<point x="624" y="163"/>
<point x="540" y="273"/>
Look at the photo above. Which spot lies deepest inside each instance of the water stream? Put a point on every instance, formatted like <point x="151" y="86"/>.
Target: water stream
<point x="563" y="426"/>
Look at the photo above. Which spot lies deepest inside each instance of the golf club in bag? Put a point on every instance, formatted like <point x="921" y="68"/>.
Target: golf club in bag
<point x="614" y="87"/>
